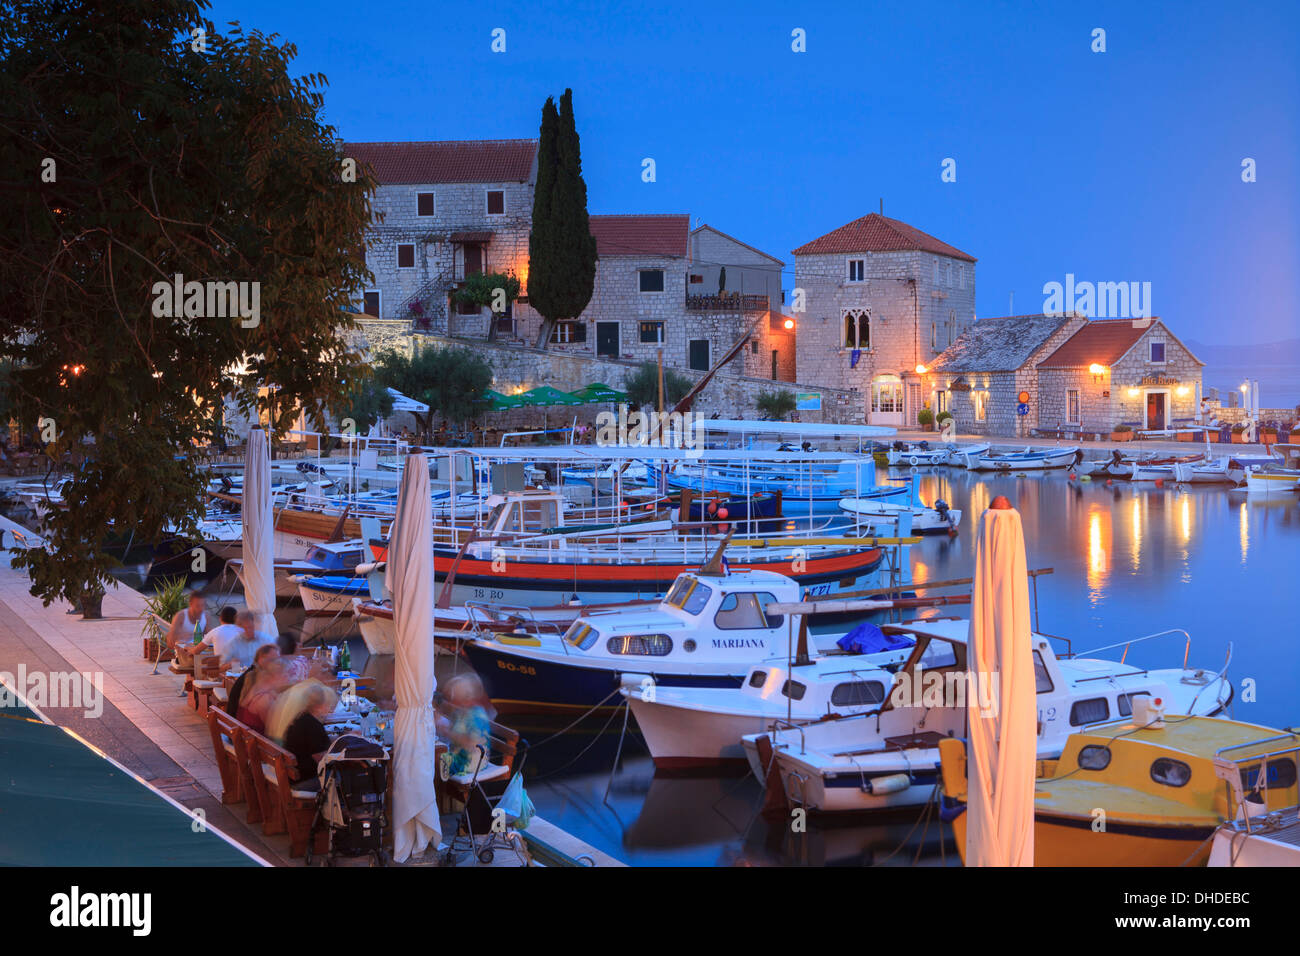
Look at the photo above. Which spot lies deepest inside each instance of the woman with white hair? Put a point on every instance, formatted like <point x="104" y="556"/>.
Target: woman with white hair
<point x="295" y="723"/>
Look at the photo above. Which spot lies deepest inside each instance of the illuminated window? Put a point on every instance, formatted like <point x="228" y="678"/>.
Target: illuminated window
<point x="1072" y="406"/>
<point x="857" y="329"/>
<point x="641" y="645"/>
<point x="980" y="400"/>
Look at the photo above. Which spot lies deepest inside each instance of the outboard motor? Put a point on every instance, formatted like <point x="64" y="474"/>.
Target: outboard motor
<point x="945" y="514"/>
<point x="899" y="446"/>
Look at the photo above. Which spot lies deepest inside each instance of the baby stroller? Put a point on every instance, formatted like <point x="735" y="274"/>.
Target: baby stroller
<point x="490" y="796"/>
<point x="352" y="803"/>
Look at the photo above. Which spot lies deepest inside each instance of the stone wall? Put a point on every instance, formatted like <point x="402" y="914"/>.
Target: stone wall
<point x="919" y="303"/>
<point x="748" y="271"/>
<point x="729" y="395"/>
<point x="458" y="207"/>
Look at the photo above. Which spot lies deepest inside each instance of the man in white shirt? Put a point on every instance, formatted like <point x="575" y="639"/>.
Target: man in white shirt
<point x="224" y="639"/>
<point x="245" y="642"/>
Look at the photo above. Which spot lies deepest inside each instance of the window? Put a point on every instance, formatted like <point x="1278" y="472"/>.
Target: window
<point x="1042" y="679"/>
<point x="934" y="336"/>
<point x="699" y="355"/>
<point x="566" y="333"/>
<point x="582" y="635"/>
<point x="1125" y="702"/>
<point x="651" y="280"/>
<point x="496" y="202"/>
<point x="758" y="678"/>
<point x="1157" y="353"/>
<point x="858" y="693"/>
<point x="948" y="277"/>
<point x="1280" y="775"/>
<point x="689" y="595"/>
<point x="1090" y="711"/>
<point x="936" y="271"/>
<point x="424" y="204"/>
<point x="641" y="645"/>
<point x="793" y="689"/>
<point x="652" y="332"/>
<point x="753" y="346"/>
<point x="961" y="277"/>
<point x="857" y="270"/>
<point x="857" y="329"/>
<point x="1170" y="772"/>
<point x="1072" y="406"/>
<point x="1094" y="757"/>
<point x="887" y="394"/>
<point x="372" y="304"/>
<point x="980" y="401"/>
<point x="737" y="611"/>
<point x="406" y="255"/>
<point x="696" y="279"/>
<point x="940" y="401"/>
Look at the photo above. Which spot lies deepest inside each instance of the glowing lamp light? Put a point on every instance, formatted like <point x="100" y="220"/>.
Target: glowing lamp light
<point x="789" y="324"/>
<point x="1181" y="391"/>
<point x="1132" y="393"/>
<point x="1244" y="388"/>
<point x="1097" y="371"/>
<point x="920" y="370"/>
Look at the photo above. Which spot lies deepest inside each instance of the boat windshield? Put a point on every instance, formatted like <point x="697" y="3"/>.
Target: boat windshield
<point x="582" y="635"/>
<point x="689" y="595"/>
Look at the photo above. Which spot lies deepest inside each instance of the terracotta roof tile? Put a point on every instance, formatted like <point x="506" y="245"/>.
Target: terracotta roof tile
<point x="1101" y="341"/>
<point x="644" y="235"/>
<point x="463" y="161"/>
<point x="877" y="233"/>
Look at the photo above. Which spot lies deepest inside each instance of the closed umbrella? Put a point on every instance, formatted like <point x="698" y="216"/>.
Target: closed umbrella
<point x="1003" y="738"/>
<point x="259" y="534"/>
<point x="410" y="576"/>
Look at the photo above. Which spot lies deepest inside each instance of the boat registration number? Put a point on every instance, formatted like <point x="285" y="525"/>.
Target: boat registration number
<point x="517" y="668"/>
<point x="488" y="594"/>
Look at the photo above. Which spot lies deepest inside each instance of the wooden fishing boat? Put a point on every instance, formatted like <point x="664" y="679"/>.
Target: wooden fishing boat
<point x="1159" y="779"/>
<point x="1031" y="459"/>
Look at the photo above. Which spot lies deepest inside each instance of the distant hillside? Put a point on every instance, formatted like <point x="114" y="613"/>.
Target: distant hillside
<point x="1286" y="352"/>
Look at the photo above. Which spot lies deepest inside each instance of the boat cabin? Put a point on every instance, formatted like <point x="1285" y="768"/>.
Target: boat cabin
<point x="716" y="617"/>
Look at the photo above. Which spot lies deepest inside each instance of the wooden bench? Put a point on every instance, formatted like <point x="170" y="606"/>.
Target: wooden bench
<point x="286" y="806"/>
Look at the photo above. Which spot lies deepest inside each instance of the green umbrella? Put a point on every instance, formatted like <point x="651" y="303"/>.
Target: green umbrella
<point x="547" y="395"/>
<point x="598" y="393"/>
<point x="501" y="402"/>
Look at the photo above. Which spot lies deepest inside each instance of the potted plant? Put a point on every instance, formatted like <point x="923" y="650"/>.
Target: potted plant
<point x="1212" y="435"/>
<point x="164" y="604"/>
<point x="1239" y="433"/>
<point x="926" y="418"/>
<point x="1122" y="433"/>
<point x="1268" y="434"/>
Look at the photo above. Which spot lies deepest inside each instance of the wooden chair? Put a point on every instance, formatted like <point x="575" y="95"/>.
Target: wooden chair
<point x="496" y="769"/>
<point x="288" y="807"/>
<point x="225" y="731"/>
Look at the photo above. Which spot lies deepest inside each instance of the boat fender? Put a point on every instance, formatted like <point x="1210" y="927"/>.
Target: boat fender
<point x="634" y="683"/>
<point x="890" y="783"/>
<point x="361" y="570"/>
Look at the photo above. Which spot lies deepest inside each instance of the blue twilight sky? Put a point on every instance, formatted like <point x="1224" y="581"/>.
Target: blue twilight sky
<point x="1115" y="166"/>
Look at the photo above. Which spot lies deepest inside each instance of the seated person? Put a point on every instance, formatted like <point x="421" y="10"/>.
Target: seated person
<point x="219" y="637"/>
<point x="301" y="667"/>
<point x="244" y="640"/>
<point x="256" y="701"/>
<point x="463" y="721"/>
<point x="295" y="724"/>
<point x="185" y="635"/>
<point x="247" y="679"/>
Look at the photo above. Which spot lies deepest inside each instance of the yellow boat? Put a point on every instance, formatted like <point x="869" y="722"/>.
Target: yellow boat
<point x="1142" y="794"/>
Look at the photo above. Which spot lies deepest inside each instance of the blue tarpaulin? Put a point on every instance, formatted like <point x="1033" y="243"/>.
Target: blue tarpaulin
<point x="866" y="638"/>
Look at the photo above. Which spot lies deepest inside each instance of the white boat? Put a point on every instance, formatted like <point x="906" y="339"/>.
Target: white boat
<point x="1207" y="471"/>
<point x="916" y="454"/>
<point x="888" y="757"/>
<point x="695" y="727"/>
<point x="1266" y="481"/>
<point x="963" y="455"/>
<point x="1031" y="459"/>
<point x="707" y="632"/>
<point x="883" y="516"/>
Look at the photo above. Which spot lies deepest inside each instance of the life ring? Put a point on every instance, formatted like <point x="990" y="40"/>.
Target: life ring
<point x="913" y="461"/>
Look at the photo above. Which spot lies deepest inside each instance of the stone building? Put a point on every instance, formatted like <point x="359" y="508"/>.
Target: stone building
<point x="642" y="301"/>
<point x="981" y="378"/>
<point x="444" y="211"/>
<point x="874" y="300"/>
<point x="1119" y="371"/>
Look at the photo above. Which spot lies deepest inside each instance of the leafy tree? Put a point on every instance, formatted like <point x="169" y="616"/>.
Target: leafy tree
<point x="722" y="280"/>
<point x="642" y="386"/>
<point x="493" y="290"/>
<point x="133" y="151"/>
<point x="453" y="382"/>
<point x="368" y="402"/>
<point x="561" y="248"/>
<point x="774" y="406"/>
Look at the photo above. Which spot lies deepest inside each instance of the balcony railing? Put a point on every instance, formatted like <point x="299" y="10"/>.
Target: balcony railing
<point x="726" y="302"/>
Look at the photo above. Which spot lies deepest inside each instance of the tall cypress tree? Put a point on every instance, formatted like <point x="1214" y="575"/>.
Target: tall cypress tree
<point x="561" y="248"/>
